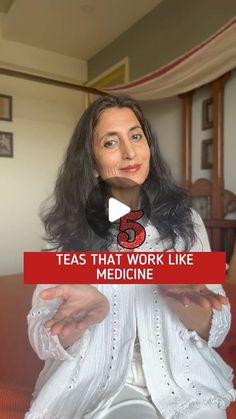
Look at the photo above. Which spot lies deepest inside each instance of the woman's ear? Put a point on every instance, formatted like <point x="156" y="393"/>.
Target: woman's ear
<point x="95" y="173"/>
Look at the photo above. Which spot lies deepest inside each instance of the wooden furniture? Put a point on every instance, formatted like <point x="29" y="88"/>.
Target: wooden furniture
<point x="213" y="202"/>
<point x="231" y="275"/>
<point x="221" y="232"/>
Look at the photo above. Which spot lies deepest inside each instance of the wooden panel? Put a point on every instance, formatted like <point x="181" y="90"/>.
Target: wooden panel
<point x="222" y="235"/>
<point x="231" y="275"/>
<point x="186" y="139"/>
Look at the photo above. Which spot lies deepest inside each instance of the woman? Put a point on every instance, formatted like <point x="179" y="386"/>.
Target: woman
<point x="115" y="351"/>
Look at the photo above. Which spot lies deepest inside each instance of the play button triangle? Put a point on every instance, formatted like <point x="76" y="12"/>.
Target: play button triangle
<point x="116" y="209"/>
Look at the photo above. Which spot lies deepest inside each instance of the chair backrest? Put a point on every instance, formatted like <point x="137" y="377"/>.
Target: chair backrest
<point x="201" y="191"/>
<point x="231" y="275"/>
<point x="221" y="231"/>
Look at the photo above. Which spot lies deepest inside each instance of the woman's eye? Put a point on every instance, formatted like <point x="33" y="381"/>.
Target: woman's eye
<point x="110" y="143"/>
<point x="136" y="137"/>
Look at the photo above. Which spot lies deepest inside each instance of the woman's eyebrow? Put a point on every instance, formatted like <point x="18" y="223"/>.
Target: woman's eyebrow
<point x="135" y="127"/>
<point x="107" y="133"/>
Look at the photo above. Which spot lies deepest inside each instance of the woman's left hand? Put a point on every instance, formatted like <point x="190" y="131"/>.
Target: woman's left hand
<point x="193" y="293"/>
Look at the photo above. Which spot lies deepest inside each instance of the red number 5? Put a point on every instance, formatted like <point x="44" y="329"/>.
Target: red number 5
<point x="128" y="222"/>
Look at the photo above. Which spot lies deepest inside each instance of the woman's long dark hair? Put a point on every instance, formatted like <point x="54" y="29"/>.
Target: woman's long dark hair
<point x="66" y="221"/>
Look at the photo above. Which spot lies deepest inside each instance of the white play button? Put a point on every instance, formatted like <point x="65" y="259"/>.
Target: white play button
<point x="101" y="210"/>
<point x="116" y="209"/>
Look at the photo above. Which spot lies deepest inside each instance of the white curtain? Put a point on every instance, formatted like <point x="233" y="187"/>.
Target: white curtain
<point x="203" y="64"/>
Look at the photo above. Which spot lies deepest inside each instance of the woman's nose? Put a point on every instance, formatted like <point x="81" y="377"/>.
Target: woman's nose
<point x="128" y="150"/>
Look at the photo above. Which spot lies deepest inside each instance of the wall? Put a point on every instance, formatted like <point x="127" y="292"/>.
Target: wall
<point x="165" y="118"/>
<point x="168" y="31"/>
<point x="17" y="56"/>
<point x="43" y="120"/>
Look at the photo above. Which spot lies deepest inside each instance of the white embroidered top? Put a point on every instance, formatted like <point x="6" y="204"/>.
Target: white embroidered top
<point x="182" y="371"/>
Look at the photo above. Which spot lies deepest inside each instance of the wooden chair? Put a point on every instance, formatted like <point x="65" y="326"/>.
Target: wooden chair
<point x="231" y="274"/>
<point x="221" y="231"/>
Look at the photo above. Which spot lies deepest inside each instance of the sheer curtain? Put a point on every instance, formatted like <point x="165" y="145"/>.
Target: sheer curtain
<point x="204" y="63"/>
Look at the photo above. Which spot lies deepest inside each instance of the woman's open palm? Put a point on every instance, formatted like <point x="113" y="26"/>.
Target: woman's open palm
<point x="82" y="306"/>
<point x="194" y="293"/>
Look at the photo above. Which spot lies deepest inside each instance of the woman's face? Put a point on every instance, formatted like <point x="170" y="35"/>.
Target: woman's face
<point x="120" y="147"/>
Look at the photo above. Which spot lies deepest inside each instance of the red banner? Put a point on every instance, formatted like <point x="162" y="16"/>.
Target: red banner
<point x="124" y="267"/>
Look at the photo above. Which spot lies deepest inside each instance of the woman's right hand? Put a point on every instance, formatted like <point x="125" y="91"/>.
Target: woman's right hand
<point x="83" y="306"/>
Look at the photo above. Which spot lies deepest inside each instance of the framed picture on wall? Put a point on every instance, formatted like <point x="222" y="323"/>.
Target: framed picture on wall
<point x="207" y="156"/>
<point x="5" y="108"/>
<point x="207" y="113"/>
<point x="6" y="144"/>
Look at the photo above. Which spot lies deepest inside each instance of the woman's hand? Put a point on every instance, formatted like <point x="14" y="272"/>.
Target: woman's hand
<point x="193" y="304"/>
<point x="82" y="306"/>
<point x="193" y="293"/>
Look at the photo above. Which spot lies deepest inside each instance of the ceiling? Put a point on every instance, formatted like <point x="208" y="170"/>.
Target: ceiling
<point x="77" y="28"/>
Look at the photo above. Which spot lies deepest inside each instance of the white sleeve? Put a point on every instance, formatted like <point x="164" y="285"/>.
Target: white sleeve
<point x="221" y="320"/>
<point x="44" y="344"/>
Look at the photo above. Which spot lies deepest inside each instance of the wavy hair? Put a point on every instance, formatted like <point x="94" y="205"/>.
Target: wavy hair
<point x="66" y="219"/>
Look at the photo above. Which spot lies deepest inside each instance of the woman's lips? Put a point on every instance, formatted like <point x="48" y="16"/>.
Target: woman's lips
<point x="131" y="168"/>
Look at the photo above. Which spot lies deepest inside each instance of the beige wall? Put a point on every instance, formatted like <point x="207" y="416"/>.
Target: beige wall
<point x="43" y="120"/>
<point x="171" y="29"/>
<point x="21" y="57"/>
<point x="165" y="119"/>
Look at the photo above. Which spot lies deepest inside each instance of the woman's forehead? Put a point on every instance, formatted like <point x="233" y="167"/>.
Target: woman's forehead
<point x="115" y="117"/>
